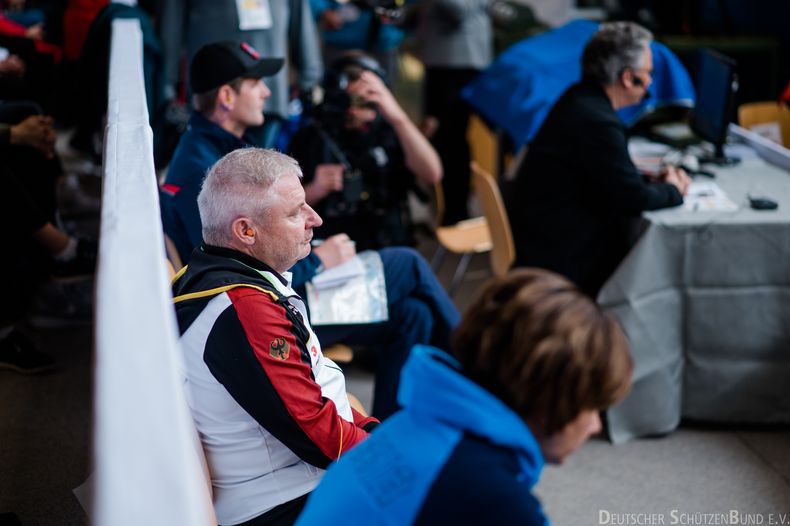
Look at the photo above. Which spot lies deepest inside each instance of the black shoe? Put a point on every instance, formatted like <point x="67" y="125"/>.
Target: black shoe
<point x="19" y="354"/>
<point x="82" y="264"/>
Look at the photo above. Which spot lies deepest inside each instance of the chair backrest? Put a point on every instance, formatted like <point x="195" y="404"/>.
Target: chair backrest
<point x="172" y="254"/>
<point x="483" y="144"/>
<point x="503" y="252"/>
<point x="766" y="113"/>
<point x="438" y="194"/>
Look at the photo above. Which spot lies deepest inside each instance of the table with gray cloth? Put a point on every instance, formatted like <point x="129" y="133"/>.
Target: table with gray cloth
<point x="704" y="298"/>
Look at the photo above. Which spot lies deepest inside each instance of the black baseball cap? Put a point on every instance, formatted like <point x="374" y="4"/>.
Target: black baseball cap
<point x="221" y="62"/>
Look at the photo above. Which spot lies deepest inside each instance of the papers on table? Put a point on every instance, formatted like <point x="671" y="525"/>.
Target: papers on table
<point x="649" y="157"/>
<point x="707" y="196"/>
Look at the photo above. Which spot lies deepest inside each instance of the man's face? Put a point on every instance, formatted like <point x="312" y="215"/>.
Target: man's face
<point x="286" y="227"/>
<point x="247" y="108"/>
<point x="558" y="446"/>
<point x="645" y="75"/>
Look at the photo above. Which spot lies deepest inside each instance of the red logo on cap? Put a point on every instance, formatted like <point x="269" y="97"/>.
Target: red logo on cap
<point x="250" y="50"/>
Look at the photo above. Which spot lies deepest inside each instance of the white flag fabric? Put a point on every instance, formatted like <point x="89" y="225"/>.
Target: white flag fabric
<point x="149" y="467"/>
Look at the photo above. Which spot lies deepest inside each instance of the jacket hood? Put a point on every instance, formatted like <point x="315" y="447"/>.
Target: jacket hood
<point x="433" y="387"/>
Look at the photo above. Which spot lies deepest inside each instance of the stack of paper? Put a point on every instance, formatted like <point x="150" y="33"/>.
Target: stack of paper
<point x="340" y="274"/>
<point x="707" y="196"/>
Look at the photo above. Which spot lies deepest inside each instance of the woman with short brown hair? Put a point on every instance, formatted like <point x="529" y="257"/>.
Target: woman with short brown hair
<point x="535" y="362"/>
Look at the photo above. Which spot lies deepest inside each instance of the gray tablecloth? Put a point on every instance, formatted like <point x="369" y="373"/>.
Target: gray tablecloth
<point x="704" y="298"/>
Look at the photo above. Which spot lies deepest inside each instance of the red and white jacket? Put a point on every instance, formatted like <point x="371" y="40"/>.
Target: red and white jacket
<point x="271" y="410"/>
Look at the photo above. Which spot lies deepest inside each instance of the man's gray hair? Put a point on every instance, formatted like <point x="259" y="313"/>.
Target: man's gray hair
<point x="237" y="185"/>
<point x="615" y="47"/>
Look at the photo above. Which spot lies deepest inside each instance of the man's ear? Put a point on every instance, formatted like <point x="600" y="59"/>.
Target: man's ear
<point x="243" y="231"/>
<point x="225" y="97"/>
<point x="627" y="78"/>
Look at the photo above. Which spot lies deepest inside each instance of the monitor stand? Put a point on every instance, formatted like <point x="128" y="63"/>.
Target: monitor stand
<point x="718" y="158"/>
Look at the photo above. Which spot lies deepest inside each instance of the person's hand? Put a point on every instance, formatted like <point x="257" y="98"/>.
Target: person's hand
<point x="678" y="178"/>
<point x="428" y="126"/>
<point x="329" y="177"/>
<point x="331" y="20"/>
<point x="335" y="250"/>
<point x="13" y="66"/>
<point x="35" y="131"/>
<point x="35" y="32"/>
<point x="370" y="87"/>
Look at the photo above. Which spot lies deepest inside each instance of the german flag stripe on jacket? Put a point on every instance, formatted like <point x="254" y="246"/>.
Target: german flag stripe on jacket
<point x="270" y="408"/>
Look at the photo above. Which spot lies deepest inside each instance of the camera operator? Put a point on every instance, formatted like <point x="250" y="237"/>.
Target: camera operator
<point x="361" y="155"/>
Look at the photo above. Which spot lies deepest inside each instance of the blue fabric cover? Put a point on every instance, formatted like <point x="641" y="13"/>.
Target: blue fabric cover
<point x="517" y="91"/>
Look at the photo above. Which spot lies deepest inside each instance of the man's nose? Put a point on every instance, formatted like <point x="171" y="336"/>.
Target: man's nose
<point x="595" y="425"/>
<point x="265" y="91"/>
<point x="314" y="220"/>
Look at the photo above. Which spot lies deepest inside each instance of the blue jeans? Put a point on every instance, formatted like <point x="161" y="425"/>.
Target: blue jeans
<point x="419" y="312"/>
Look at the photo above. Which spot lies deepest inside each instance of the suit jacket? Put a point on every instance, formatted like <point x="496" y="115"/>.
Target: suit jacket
<point x="577" y="195"/>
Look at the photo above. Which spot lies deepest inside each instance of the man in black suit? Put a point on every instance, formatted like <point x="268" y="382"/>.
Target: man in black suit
<point x="577" y="194"/>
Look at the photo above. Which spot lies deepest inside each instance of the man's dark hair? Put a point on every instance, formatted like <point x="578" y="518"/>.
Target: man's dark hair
<point x="206" y="102"/>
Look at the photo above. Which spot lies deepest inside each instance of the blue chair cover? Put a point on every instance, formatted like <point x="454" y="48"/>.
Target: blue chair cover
<point x="520" y="87"/>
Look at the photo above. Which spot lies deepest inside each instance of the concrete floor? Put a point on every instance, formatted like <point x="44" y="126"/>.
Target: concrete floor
<point x="45" y="426"/>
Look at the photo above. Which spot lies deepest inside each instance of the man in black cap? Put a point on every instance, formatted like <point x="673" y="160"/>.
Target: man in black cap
<point x="226" y="80"/>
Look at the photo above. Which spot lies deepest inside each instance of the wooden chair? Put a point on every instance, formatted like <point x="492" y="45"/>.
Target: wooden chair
<point x="483" y="144"/>
<point x="339" y="353"/>
<point x="172" y="254"/>
<point x="766" y="113"/>
<point x="503" y="250"/>
<point x="467" y="238"/>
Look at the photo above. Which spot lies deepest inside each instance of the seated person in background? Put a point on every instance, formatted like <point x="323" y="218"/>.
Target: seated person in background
<point x="577" y="196"/>
<point x="361" y="155"/>
<point x="271" y="410"/>
<point x="419" y="309"/>
<point x="535" y="362"/>
<point x="35" y="248"/>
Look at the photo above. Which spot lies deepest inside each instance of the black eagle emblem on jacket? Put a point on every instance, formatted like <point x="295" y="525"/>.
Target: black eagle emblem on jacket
<point x="279" y="348"/>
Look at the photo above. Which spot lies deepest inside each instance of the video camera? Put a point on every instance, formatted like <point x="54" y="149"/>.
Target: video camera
<point x="392" y="10"/>
<point x="346" y="69"/>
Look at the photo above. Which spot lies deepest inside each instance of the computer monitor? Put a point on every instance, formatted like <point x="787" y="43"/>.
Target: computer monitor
<point x="717" y="86"/>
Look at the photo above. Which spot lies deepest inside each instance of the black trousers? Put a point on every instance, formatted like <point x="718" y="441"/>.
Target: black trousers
<point x="442" y="100"/>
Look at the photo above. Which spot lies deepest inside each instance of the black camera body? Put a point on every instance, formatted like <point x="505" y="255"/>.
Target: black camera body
<point x="392" y="10"/>
<point x="331" y="113"/>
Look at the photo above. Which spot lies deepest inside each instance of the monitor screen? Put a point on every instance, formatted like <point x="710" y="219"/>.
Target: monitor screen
<point x="716" y="88"/>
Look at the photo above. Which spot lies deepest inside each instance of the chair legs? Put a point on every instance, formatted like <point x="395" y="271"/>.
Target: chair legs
<point x="438" y="258"/>
<point x="460" y="270"/>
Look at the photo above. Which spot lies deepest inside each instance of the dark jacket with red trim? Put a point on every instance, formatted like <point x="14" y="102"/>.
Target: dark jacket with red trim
<point x="271" y="410"/>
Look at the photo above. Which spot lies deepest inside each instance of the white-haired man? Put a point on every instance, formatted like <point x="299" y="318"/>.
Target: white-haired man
<point x="271" y="410"/>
